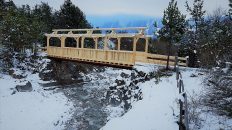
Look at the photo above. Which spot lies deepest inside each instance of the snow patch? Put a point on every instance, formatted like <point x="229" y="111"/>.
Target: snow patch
<point x="36" y="110"/>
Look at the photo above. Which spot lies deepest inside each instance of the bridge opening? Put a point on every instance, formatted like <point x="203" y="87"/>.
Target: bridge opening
<point x="54" y="41"/>
<point x="70" y="42"/>
<point x="113" y="44"/>
<point x="89" y="43"/>
<point x="140" y="45"/>
<point x="126" y="44"/>
<point x="100" y="43"/>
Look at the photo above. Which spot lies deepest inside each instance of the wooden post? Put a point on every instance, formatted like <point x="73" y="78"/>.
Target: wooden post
<point x="77" y="41"/>
<point x="146" y="45"/>
<point x="186" y="112"/>
<point x="134" y="43"/>
<point x="105" y="43"/>
<point x="181" y="126"/>
<point x="119" y="43"/>
<point x="62" y="42"/>
<point x="48" y="38"/>
<point x="96" y="42"/>
<point x="82" y="42"/>
<point x="176" y="63"/>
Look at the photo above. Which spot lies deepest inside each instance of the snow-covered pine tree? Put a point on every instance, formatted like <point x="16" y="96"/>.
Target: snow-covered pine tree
<point x="196" y="25"/>
<point x="174" y="26"/>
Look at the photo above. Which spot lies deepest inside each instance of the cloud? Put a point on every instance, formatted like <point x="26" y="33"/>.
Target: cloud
<point x="136" y="7"/>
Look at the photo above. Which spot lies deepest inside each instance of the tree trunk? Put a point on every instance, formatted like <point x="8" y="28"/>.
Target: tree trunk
<point x="169" y="51"/>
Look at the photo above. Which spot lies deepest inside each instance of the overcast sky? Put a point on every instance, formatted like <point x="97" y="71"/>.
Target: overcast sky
<point x="135" y="7"/>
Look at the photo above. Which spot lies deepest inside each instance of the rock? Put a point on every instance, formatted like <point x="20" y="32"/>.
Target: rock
<point x="15" y="76"/>
<point x="193" y="75"/>
<point x="141" y="73"/>
<point x="113" y="87"/>
<point x="24" y="88"/>
<point x="13" y="92"/>
<point x="11" y="72"/>
<point x="133" y="76"/>
<point x="120" y="82"/>
<point x="124" y="75"/>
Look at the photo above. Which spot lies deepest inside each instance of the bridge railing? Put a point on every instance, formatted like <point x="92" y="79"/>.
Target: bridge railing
<point x="96" y="55"/>
<point x="159" y="59"/>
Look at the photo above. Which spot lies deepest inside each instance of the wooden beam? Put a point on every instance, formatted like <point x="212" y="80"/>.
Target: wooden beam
<point x="100" y="35"/>
<point x="105" y="43"/>
<point x="141" y="31"/>
<point x="146" y="45"/>
<point x="119" y="44"/>
<point x="89" y="32"/>
<point x="77" y="41"/>
<point x="96" y="42"/>
<point x="82" y="42"/>
<point x="113" y="32"/>
<point x="99" y="29"/>
<point x="48" y="41"/>
<point x="62" y="39"/>
<point x="134" y="43"/>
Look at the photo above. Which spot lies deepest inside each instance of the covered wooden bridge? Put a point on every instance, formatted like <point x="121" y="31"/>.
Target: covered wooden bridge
<point x="121" y="47"/>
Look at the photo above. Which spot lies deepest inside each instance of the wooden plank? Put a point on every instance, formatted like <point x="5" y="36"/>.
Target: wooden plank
<point x="99" y="35"/>
<point x="99" y="29"/>
<point x="93" y="54"/>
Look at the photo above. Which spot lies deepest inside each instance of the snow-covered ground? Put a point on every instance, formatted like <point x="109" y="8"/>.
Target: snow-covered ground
<point x="36" y="110"/>
<point x="51" y="110"/>
<point x="158" y="110"/>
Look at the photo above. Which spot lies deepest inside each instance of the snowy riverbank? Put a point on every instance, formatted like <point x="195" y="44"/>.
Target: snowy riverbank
<point x="158" y="110"/>
<point x="35" y="110"/>
<point x="151" y="102"/>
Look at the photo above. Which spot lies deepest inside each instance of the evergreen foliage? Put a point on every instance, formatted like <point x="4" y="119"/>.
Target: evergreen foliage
<point x="24" y="27"/>
<point x="216" y="46"/>
<point x="174" y="26"/>
<point x="197" y="27"/>
<point x="70" y="16"/>
<point x="230" y="10"/>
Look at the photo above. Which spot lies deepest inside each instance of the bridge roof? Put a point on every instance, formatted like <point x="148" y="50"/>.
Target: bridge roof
<point x="90" y="32"/>
<point x="101" y="29"/>
<point x="99" y="35"/>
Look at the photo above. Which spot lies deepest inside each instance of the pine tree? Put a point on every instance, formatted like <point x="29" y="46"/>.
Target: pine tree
<point x="197" y="14"/>
<point x="2" y="2"/>
<point x="174" y="26"/>
<point x="196" y="11"/>
<point x="197" y="26"/>
<point x="44" y="13"/>
<point x="230" y="10"/>
<point x="70" y="16"/>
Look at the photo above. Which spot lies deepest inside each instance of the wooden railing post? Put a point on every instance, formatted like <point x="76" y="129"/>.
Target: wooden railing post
<point x="82" y="42"/>
<point x="96" y="46"/>
<point x="96" y="42"/>
<point x="119" y="43"/>
<point x="48" y="40"/>
<point x="134" y="43"/>
<point x="77" y="41"/>
<point x="105" y="43"/>
<point x="48" y="44"/>
<point x="62" y="39"/>
<point x="146" y="45"/>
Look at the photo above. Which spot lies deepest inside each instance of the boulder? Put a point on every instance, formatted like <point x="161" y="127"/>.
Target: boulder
<point x="24" y="88"/>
